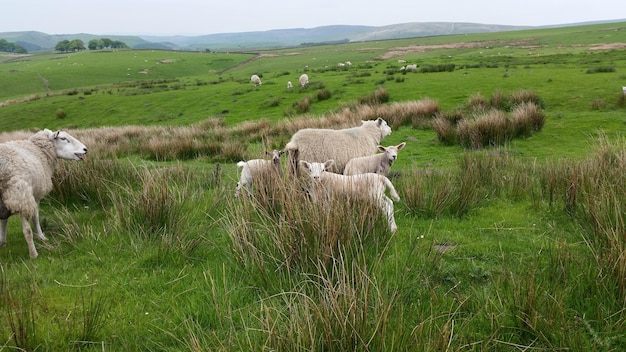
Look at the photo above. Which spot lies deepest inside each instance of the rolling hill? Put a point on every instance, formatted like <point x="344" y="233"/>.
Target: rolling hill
<point x="36" y="41"/>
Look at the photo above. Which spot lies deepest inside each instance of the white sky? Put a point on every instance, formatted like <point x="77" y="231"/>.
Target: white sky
<point x="196" y="17"/>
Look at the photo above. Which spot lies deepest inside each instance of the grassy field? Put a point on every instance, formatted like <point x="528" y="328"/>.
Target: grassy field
<point x="520" y="246"/>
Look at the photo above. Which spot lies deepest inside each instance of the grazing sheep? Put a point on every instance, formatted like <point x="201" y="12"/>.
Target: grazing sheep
<point x="377" y="163"/>
<point x="304" y="80"/>
<point x="289" y="85"/>
<point x="372" y="186"/>
<point x="256" y="80"/>
<point x="252" y="169"/>
<point x="412" y="67"/>
<point x="319" y="145"/>
<point x="26" y="168"/>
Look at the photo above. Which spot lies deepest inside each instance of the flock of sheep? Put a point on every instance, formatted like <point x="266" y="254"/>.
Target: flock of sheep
<point x="336" y="161"/>
<point x="304" y="80"/>
<point x="340" y="161"/>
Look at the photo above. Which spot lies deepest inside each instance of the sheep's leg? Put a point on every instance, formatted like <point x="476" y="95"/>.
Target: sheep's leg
<point x="3" y="232"/>
<point x="37" y="225"/>
<point x="387" y="207"/>
<point x="28" y="235"/>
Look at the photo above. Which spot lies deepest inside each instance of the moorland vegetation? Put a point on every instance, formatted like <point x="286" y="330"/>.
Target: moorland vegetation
<point x="511" y="230"/>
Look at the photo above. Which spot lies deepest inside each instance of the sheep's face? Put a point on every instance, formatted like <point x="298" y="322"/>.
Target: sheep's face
<point x="315" y="170"/>
<point x="392" y="151"/>
<point x="68" y="147"/>
<point x="382" y="124"/>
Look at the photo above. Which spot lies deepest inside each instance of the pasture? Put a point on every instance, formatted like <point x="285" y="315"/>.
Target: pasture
<point x="519" y="246"/>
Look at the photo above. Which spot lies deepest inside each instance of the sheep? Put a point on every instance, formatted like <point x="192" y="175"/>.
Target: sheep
<point x="289" y="85"/>
<point x="252" y="169"/>
<point x="372" y="186"/>
<point x="412" y="67"/>
<point x="26" y="168"/>
<point x="319" y="145"/>
<point x="256" y="80"/>
<point x="377" y="163"/>
<point x="304" y="80"/>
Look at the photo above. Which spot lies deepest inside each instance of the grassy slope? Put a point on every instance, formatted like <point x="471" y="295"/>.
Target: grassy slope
<point x="159" y="295"/>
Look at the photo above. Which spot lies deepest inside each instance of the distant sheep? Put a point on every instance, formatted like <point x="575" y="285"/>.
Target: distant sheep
<point x="253" y="169"/>
<point x="289" y="85"/>
<point x="319" y="145"/>
<point x="256" y="80"/>
<point x="412" y="67"/>
<point x="26" y="169"/>
<point x="304" y="80"/>
<point x="373" y="186"/>
<point x="377" y="163"/>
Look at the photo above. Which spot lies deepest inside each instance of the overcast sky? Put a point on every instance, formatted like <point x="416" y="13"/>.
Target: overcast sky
<point x="195" y="17"/>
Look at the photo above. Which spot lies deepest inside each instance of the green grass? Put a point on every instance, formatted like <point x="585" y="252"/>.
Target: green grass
<point x="148" y="255"/>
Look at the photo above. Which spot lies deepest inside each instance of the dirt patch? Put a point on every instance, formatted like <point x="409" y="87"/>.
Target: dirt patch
<point x="607" y="46"/>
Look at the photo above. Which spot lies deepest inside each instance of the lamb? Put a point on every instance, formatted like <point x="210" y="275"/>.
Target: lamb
<point x="372" y="186"/>
<point x="377" y="163"/>
<point x="319" y="145"/>
<point x="412" y="67"/>
<point x="26" y="168"/>
<point x="253" y="169"/>
<point x="304" y="80"/>
<point x="256" y="80"/>
<point x="289" y="85"/>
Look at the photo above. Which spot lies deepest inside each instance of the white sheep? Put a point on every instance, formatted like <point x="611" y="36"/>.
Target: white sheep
<point x="26" y="169"/>
<point x="255" y="168"/>
<point x="319" y="145"/>
<point x="412" y="67"/>
<point x="377" y="163"/>
<point x="304" y="80"/>
<point x="289" y="85"/>
<point x="256" y="80"/>
<point x="326" y="184"/>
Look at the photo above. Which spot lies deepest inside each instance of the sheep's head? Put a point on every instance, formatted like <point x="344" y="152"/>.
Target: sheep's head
<point x="315" y="170"/>
<point x="66" y="146"/>
<point x="391" y="151"/>
<point x="275" y="156"/>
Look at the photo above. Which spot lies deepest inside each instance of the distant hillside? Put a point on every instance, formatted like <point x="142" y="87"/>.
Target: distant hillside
<point x="34" y="41"/>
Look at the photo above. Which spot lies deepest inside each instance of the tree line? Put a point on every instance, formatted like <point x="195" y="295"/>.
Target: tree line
<point x="65" y="46"/>
<point x="6" y="46"/>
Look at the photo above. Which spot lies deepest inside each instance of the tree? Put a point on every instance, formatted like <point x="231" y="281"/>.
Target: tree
<point x="63" y="46"/>
<point x="9" y="47"/>
<point x="77" y="45"/>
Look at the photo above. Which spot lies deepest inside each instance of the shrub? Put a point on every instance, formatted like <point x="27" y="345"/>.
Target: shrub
<point x="602" y="69"/>
<point x="323" y="94"/>
<point x="61" y="113"/>
<point x="303" y="105"/>
<point x="446" y="131"/>
<point x="380" y="96"/>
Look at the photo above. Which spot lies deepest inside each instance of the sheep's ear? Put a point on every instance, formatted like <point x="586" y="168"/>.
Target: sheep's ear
<point x="55" y="135"/>
<point x="381" y="148"/>
<point x="401" y="145"/>
<point x="305" y="164"/>
<point x="379" y="121"/>
<point x="328" y="164"/>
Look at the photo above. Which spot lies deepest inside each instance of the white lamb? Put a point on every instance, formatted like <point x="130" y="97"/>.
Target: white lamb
<point x="377" y="163"/>
<point x="304" y="80"/>
<point x="289" y="85"/>
<point x="256" y="80"/>
<point x="412" y="67"/>
<point x="253" y="169"/>
<point x="319" y="145"/>
<point x="26" y="169"/>
<point x="373" y="186"/>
